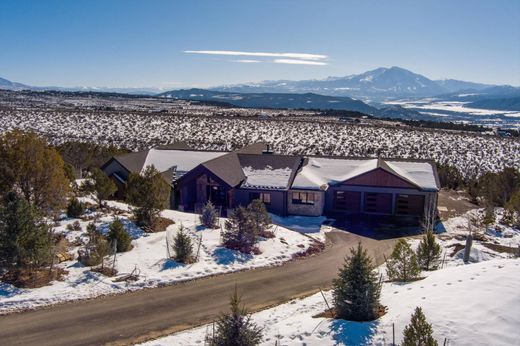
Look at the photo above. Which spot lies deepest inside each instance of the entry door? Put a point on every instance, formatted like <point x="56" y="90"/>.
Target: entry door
<point x="380" y="203"/>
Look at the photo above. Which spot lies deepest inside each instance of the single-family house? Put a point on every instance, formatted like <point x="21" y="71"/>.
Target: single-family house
<point x="287" y="184"/>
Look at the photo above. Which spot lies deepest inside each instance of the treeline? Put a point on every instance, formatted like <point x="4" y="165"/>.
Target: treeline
<point x="36" y="186"/>
<point x="83" y="156"/>
<point x="492" y="189"/>
<point x="444" y="125"/>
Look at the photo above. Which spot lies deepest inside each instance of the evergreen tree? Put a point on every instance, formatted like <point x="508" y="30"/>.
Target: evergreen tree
<point x="150" y="193"/>
<point x="402" y="264"/>
<point x="100" y="184"/>
<point x="236" y="328"/>
<point x="259" y="216"/>
<point x="241" y="231"/>
<point x="25" y="237"/>
<point x="356" y="290"/>
<point x="96" y="249"/>
<point x="419" y="332"/>
<point x="429" y="252"/>
<point x="75" y="208"/>
<point x="30" y="166"/>
<point x="117" y="232"/>
<point x="183" y="246"/>
<point x="209" y="217"/>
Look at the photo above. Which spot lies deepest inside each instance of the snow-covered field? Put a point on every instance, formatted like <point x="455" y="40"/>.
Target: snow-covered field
<point x="459" y="111"/>
<point x="473" y="304"/>
<point x="472" y="154"/>
<point x="149" y="257"/>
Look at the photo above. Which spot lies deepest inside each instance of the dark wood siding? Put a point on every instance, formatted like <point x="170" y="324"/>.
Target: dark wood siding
<point x="409" y="204"/>
<point x="348" y="201"/>
<point x="378" y="203"/>
<point x="379" y="177"/>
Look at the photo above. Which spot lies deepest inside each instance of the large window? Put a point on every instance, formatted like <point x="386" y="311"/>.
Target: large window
<point x="263" y="196"/>
<point x="303" y="198"/>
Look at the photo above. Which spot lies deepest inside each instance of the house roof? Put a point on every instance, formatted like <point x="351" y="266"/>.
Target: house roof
<point x="268" y="171"/>
<point x="320" y="173"/>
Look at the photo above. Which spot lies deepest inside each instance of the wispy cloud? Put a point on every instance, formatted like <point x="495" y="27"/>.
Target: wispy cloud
<point x="305" y="56"/>
<point x="247" y="61"/>
<point x="299" y="62"/>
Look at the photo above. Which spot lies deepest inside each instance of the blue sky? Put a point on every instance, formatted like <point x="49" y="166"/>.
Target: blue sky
<point x="144" y="43"/>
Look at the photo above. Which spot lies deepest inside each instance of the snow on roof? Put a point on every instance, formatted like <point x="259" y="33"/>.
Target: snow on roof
<point x="319" y="173"/>
<point x="420" y="173"/>
<point x="267" y="178"/>
<point x="185" y="160"/>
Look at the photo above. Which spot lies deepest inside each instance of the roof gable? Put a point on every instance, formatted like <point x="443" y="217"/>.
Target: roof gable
<point x="380" y="177"/>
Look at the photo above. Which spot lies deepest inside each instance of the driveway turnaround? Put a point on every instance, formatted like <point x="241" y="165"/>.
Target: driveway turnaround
<point x="150" y="313"/>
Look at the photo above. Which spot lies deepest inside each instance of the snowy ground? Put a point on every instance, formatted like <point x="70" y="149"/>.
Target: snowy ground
<point x="149" y="257"/>
<point x="453" y="232"/>
<point x="469" y="304"/>
<point x="474" y="304"/>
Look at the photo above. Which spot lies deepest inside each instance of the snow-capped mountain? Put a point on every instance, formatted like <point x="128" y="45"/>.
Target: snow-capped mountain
<point x="7" y="84"/>
<point x="379" y="85"/>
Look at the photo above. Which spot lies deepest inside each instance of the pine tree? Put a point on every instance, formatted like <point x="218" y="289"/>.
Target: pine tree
<point x="209" y="217"/>
<point x="429" y="252"/>
<point x="25" y="237"/>
<point x="356" y="290"/>
<point x="75" y="208"/>
<point x="150" y="193"/>
<point x="236" y="328"/>
<point x="96" y="249"/>
<point x="419" y="332"/>
<point x="241" y="232"/>
<point x="30" y="166"/>
<point x="183" y="246"/>
<point x="259" y="216"/>
<point x="402" y="264"/>
<point x="117" y="232"/>
<point x="100" y="184"/>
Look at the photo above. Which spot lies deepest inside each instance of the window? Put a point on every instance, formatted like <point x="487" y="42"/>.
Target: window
<point x="263" y="196"/>
<point x="303" y="198"/>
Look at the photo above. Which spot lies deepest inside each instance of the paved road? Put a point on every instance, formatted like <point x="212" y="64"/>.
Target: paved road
<point x="136" y="316"/>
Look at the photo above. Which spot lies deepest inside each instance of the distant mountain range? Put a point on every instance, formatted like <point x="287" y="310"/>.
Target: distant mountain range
<point x="6" y="84"/>
<point x="366" y="92"/>
<point x="379" y="85"/>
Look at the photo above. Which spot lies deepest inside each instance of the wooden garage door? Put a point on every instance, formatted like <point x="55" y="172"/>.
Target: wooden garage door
<point x="378" y="203"/>
<point x="409" y="204"/>
<point x="349" y="201"/>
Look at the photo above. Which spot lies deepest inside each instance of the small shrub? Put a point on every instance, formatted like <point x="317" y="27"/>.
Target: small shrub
<point x="75" y="208"/>
<point x="96" y="249"/>
<point x="402" y="264"/>
<point x="208" y="216"/>
<point x="236" y="327"/>
<point x="429" y="252"/>
<point x="117" y="233"/>
<point x="74" y="227"/>
<point x="183" y="246"/>
<point x="419" y="332"/>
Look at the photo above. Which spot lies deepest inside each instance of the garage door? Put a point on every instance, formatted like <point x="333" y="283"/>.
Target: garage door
<point x="348" y="201"/>
<point x="409" y="204"/>
<point x="378" y="203"/>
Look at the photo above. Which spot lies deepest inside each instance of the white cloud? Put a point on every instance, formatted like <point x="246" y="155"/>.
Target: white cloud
<point x="299" y="62"/>
<point x="247" y="61"/>
<point x="288" y="56"/>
